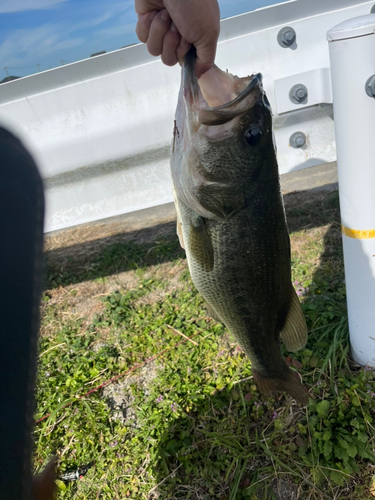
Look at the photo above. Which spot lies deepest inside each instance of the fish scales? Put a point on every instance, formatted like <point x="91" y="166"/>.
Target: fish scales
<point x="243" y="286"/>
<point x="231" y="222"/>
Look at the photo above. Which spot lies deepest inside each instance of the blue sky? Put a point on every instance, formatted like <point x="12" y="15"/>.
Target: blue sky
<point x="36" y="35"/>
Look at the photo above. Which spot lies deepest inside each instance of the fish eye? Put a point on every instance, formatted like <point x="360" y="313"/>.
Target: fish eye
<point x="254" y="135"/>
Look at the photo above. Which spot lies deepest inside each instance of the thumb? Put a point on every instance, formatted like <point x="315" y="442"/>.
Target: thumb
<point x="202" y="67"/>
<point x="206" y="52"/>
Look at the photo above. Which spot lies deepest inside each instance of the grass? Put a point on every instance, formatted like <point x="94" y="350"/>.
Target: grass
<point x="190" y="424"/>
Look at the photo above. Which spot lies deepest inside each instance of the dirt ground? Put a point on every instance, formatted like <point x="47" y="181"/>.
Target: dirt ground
<point x="74" y="253"/>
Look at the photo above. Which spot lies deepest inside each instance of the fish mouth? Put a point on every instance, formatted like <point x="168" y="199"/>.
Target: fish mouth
<point x="218" y="96"/>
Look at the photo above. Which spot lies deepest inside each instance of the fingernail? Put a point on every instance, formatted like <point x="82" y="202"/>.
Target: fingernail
<point x="173" y="28"/>
<point x="201" y="69"/>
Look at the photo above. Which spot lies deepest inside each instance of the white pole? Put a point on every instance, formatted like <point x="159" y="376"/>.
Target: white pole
<point x="352" y="54"/>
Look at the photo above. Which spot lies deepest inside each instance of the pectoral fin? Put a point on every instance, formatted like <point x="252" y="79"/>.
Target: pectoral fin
<point x="294" y="332"/>
<point x="200" y="245"/>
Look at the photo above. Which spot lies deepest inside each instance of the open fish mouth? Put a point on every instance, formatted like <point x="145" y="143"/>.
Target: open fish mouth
<point x="218" y="96"/>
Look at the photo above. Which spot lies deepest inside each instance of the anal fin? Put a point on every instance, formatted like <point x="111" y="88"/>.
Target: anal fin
<point x="294" y="332"/>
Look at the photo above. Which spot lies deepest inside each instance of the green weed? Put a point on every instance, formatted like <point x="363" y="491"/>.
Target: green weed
<point x="198" y="427"/>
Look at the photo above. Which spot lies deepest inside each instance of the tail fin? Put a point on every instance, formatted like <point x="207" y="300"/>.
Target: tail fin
<point x="289" y="383"/>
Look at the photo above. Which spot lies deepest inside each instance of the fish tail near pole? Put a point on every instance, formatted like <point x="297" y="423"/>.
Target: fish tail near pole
<point x="289" y="382"/>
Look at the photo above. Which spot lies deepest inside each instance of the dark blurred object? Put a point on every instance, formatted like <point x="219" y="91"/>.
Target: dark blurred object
<point x="98" y="53"/>
<point x="9" y="79"/>
<point x="21" y="244"/>
<point x="44" y="485"/>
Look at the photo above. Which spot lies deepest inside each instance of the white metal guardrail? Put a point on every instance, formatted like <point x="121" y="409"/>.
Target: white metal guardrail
<point x="101" y="128"/>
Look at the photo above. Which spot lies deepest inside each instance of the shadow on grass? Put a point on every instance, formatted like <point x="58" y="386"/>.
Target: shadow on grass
<point x="217" y="448"/>
<point x="112" y="255"/>
<point x="220" y="451"/>
<point x="115" y="254"/>
<point x="229" y="451"/>
<point x="212" y="453"/>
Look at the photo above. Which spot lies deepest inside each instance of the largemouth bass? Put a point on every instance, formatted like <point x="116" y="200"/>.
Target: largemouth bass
<point x="231" y="219"/>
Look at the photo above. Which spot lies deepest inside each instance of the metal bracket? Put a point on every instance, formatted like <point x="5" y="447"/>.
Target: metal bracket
<point x="318" y="83"/>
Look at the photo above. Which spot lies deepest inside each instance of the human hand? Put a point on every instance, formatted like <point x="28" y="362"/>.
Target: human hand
<point x="170" y="27"/>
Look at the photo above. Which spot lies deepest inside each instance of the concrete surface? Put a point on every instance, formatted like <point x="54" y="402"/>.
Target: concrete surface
<point x="321" y="177"/>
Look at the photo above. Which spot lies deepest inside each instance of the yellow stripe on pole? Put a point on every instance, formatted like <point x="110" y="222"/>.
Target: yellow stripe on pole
<point x="358" y="234"/>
